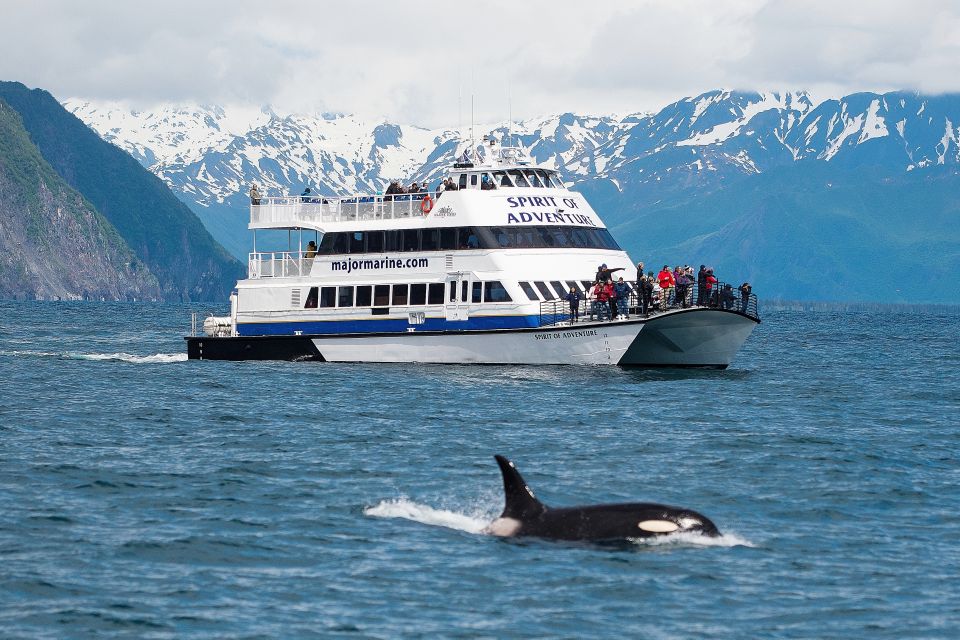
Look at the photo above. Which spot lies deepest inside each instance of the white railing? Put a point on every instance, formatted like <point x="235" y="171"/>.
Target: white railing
<point x="282" y="210"/>
<point x="278" y="264"/>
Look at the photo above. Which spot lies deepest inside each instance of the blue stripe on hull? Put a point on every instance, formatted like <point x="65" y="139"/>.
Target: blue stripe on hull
<point x="392" y="325"/>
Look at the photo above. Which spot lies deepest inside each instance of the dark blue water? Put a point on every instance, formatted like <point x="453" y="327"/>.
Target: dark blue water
<point x="145" y="496"/>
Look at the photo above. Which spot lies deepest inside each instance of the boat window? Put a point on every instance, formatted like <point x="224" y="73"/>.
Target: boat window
<point x="328" y="297"/>
<point x="544" y="290"/>
<point x="493" y="291"/>
<point x="558" y="287"/>
<point x="463" y="290"/>
<point x="363" y="295"/>
<point x="477" y="293"/>
<point x="463" y="181"/>
<point x="473" y="180"/>
<point x="400" y="294"/>
<point x="418" y="294"/>
<point x="574" y="284"/>
<point x="311" y="302"/>
<point x="527" y="289"/>
<point x="470" y="238"/>
<point x="435" y="293"/>
<point x="512" y="237"/>
<point x="411" y="239"/>
<point x="345" y="297"/>
<point x="500" y="178"/>
<point x="356" y="242"/>
<point x="453" y="291"/>
<point x="392" y="240"/>
<point x="381" y="295"/>
<point x="374" y="241"/>
<point x="448" y="239"/>
<point x="429" y="239"/>
<point x="517" y="178"/>
<point x="533" y="178"/>
<point x="554" y="180"/>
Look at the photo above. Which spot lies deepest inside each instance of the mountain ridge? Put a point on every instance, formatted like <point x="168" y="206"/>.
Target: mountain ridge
<point x="634" y="168"/>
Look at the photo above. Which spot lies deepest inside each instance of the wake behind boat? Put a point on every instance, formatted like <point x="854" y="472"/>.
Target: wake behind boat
<point x="476" y="273"/>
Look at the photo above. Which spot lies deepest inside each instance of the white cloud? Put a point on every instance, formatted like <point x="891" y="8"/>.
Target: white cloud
<point x="411" y="61"/>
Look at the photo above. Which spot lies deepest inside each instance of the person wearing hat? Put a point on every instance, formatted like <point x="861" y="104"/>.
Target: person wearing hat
<point x="604" y="274"/>
<point x="254" y="195"/>
<point x="639" y="274"/>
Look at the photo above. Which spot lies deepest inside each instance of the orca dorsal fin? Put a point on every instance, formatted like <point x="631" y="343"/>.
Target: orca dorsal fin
<point x="521" y="504"/>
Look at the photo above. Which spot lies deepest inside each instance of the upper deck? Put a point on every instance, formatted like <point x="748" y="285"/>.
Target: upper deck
<point x="500" y="180"/>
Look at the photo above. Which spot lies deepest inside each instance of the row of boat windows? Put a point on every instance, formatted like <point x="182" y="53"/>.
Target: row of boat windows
<point x="539" y="178"/>
<point x="456" y="238"/>
<point x="399" y="295"/>
<point x="555" y="289"/>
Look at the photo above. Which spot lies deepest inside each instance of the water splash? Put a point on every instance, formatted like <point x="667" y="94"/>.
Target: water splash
<point x="694" y="540"/>
<point x="478" y="520"/>
<point x="157" y="358"/>
<point x="409" y="510"/>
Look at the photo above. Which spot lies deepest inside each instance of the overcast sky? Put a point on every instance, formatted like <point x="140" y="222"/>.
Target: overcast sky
<point x="411" y="61"/>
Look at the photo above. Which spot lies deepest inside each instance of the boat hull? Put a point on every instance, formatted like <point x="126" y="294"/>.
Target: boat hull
<point x="683" y="338"/>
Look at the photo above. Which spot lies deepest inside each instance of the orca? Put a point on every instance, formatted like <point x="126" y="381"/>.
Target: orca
<point x="524" y="515"/>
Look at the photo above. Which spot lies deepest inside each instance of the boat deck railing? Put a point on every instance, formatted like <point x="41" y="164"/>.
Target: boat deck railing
<point x="289" y="210"/>
<point x="554" y="312"/>
<point x="278" y="264"/>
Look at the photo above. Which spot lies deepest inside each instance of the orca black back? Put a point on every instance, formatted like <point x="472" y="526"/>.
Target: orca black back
<point x="524" y="515"/>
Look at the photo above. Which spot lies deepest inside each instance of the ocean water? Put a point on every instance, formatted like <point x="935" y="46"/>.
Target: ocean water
<point x="146" y="496"/>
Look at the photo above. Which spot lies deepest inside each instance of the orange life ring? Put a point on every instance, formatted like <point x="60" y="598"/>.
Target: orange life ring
<point x="426" y="205"/>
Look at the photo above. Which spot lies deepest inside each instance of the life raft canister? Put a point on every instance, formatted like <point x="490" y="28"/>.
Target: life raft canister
<point x="426" y="205"/>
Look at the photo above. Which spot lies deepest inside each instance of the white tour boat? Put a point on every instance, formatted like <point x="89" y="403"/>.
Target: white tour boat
<point x="472" y="275"/>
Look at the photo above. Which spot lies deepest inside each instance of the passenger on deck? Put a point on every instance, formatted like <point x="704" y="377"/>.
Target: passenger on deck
<point x="646" y="292"/>
<point x="574" y="298"/>
<point x="709" y="288"/>
<point x="682" y="284"/>
<point x="745" y="290"/>
<point x="486" y="184"/>
<point x="254" y="195"/>
<point x="450" y="185"/>
<point x="727" y="296"/>
<point x="311" y="250"/>
<point x="611" y="298"/>
<point x="702" y="286"/>
<point x="306" y="195"/>
<point x="639" y="274"/>
<point x="665" y="278"/>
<point x="622" y="289"/>
<point x="604" y="274"/>
<point x="601" y="304"/>
<point x="413" y="188"/>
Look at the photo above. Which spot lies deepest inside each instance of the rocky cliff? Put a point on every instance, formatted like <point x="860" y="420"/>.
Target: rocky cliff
<point x="53" y="243"/>
<point x="187" y="262"/>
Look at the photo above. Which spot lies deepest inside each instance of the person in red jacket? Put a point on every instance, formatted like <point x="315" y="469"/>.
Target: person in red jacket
<point x="611" y="294"/>
<point x="601" y="304"/>
<point x="667" y="283"/>
<point x="710" y="287"/>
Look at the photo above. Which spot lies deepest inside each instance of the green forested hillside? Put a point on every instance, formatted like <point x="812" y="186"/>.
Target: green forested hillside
<point x="53" y="243"/>
<point x="162" y="231"/>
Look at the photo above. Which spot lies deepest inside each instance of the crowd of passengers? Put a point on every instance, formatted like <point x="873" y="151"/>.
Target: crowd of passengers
<point x="676" y="288"/>
<point x="418" y="191"/>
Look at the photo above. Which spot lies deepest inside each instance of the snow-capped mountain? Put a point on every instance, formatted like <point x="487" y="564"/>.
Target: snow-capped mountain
<point x="630" y="166"/>
<point x="210" y="154"/>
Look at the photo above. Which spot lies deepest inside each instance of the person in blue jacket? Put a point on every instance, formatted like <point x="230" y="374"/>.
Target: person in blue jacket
<point x="622" y="289"/>
<point x="574" y="298"/>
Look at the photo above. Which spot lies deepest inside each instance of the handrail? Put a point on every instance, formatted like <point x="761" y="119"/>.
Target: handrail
<point x="278" y="264"/>
<point x="317" y="209"/>
<point x="553" y="312"/>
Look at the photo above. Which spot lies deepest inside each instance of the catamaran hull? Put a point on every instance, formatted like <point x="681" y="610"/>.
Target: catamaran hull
<point x="683" y="338"/>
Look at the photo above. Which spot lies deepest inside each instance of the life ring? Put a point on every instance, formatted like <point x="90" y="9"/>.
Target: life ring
<point x="426" y="205"/>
